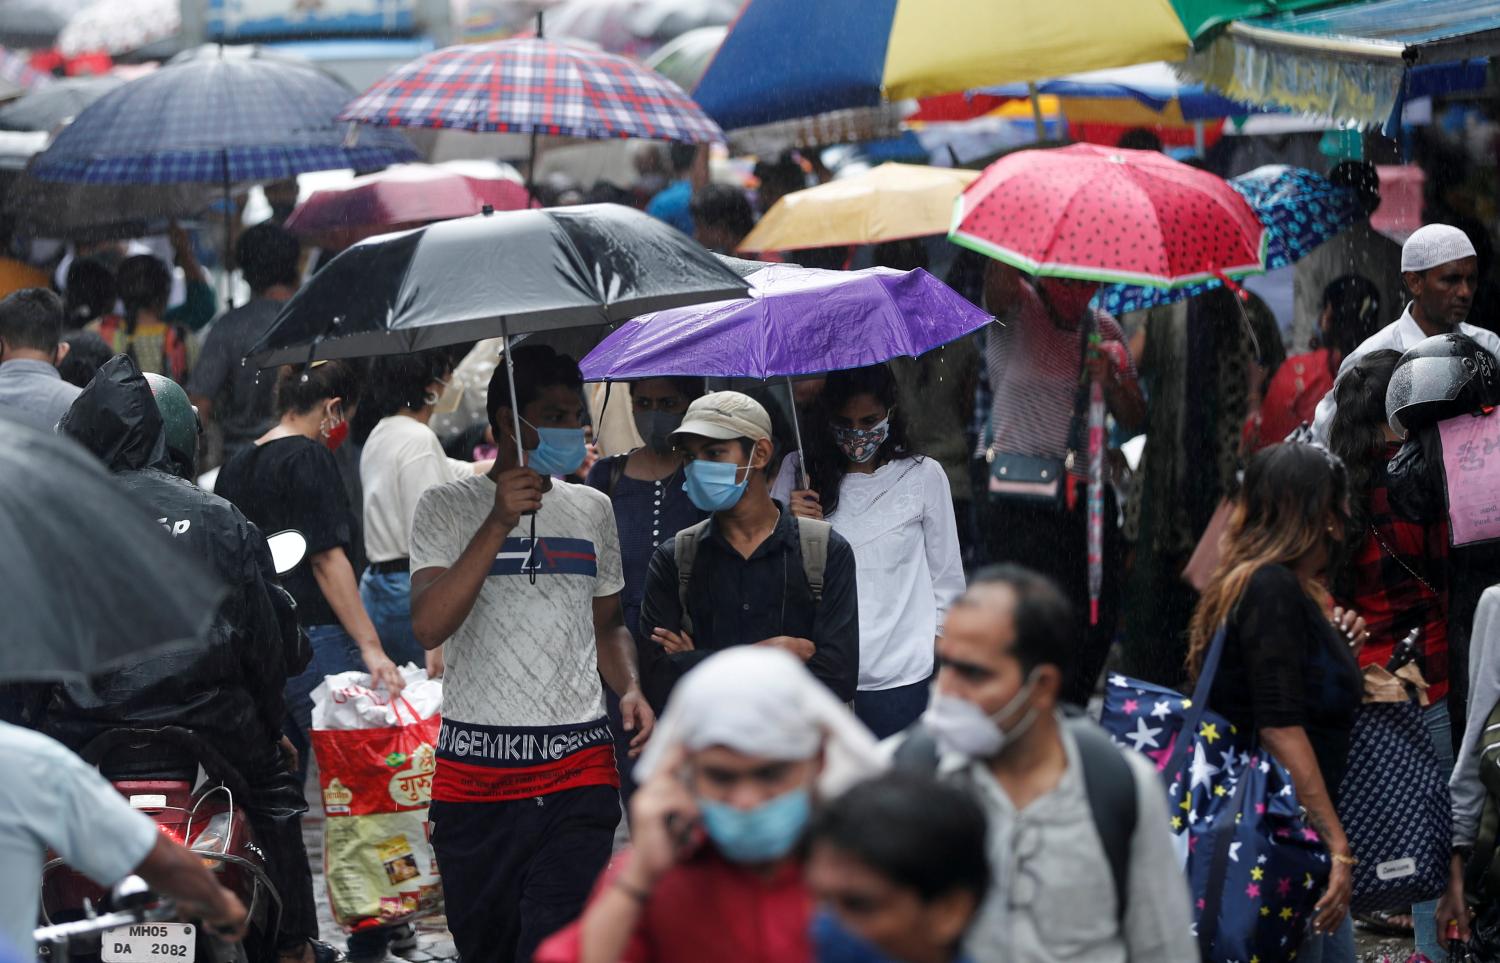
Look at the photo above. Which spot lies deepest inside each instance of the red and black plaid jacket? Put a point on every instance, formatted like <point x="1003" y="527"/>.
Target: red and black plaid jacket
<point x="1393" y="600"/>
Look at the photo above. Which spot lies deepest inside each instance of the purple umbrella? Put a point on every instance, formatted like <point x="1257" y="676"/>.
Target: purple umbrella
<point x="796" y="321"/>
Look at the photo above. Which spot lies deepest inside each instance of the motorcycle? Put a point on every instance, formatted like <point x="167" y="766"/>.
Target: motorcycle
<point x="158" y="771"/>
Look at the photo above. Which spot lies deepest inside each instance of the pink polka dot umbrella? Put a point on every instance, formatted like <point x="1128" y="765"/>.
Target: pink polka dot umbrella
<point x="1109" y="215"/>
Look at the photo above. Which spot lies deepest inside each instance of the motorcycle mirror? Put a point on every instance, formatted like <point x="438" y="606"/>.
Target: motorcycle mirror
<point x="130" y="893"/>
<point x="288" y="548"/>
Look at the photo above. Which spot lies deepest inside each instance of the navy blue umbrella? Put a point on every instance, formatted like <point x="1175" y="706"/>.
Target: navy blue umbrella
<point x="221" y="120"/>
<point x="1300" y="210"/>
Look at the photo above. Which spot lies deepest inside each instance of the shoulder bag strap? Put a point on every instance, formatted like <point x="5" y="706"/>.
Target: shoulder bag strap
<point x="1194" y="717"/>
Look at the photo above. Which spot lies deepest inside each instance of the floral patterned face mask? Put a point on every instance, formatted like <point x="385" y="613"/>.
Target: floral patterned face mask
<point x="859" y="445"/>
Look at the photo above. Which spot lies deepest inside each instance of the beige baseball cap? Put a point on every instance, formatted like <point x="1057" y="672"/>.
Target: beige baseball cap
<point x="724" y="415"/>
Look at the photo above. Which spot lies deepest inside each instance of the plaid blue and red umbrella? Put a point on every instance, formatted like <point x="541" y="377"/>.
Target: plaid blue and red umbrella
<point x="528" y="85"/>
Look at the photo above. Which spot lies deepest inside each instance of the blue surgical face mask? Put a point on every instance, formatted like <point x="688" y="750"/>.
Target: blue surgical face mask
<point x="561" y="452"/>
<point x="762" y="834"/>
<point x="833" y="942"/>
<point x="711" y="485"/>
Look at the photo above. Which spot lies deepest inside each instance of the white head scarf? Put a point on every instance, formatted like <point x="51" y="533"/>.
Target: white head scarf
<point x="1435" y="244"/>
<point x="763" y="702"/>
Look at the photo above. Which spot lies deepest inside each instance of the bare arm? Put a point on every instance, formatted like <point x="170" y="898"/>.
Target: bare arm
<point x="617" y="664"/>
<point x="442" y="598"/>
<point x="172" y="870"/>
<point x="335" y="578"/>
<point x="1292" y="749"/>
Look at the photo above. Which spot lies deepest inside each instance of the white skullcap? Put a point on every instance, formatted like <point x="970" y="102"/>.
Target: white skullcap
<point x="1433" y="245"/>
<point x="761" y="701"/>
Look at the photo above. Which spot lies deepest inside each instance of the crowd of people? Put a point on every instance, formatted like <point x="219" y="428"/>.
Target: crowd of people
<point x="832" y="679"/>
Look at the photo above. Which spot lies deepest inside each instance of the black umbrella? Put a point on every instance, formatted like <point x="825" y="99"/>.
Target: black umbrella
<point x="494" y="275"/>
<point x="101" y="212"/>
<point x="89" y="579"/>
<point x="53" y="105"/>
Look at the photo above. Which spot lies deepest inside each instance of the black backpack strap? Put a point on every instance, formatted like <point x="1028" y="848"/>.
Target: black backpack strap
<point x="1110" y="786"/>
<point x="616" y="472"/>
<point x="686" y="552"/>
<point x="917" y="753"/>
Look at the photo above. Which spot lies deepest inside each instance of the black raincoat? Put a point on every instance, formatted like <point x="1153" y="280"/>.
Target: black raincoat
<point x="231" y="691"/>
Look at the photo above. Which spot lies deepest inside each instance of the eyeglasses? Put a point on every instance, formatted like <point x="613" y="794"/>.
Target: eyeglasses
<point x="1025" y="882"/>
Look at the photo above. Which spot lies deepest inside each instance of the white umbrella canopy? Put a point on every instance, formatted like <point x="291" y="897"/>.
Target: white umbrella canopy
<point x="120" y="26"/>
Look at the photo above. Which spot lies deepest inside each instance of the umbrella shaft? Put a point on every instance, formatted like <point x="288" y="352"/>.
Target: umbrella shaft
<point x="510" y="378"/>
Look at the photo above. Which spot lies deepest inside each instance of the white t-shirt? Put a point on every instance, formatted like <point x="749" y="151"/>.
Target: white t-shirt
<point x="526" y="655"/>
<point x="908" y="564"/>
<point x="50" y="798"/>
<point x="401" y="459"/>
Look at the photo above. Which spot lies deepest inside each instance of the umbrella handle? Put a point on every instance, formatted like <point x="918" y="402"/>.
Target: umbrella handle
<point x="791" y="397"/>
<point x="510" y="378"/>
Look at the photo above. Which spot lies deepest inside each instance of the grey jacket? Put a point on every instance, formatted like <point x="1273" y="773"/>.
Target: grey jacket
<point x="1484" y="692"/>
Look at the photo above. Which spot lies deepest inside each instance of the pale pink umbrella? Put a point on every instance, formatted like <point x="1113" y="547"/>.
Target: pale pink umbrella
<point x="399" y="197"/>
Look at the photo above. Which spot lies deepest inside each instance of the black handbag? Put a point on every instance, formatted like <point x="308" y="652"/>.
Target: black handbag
<point x="1035" y="480"/>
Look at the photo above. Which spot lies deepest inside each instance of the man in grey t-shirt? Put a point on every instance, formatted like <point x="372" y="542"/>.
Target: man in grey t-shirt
<point x="31" y="390"/>
<point x="225" y="390"/>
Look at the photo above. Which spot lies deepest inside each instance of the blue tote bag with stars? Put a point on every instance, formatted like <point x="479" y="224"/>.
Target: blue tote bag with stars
<point x="1255" y="867"/>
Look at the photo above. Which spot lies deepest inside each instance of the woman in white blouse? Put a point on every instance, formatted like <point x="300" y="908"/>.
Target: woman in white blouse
<point x="895" y="508"/>
<point x="400" y="460"/>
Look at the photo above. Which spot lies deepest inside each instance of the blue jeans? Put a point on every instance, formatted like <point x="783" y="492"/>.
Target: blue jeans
<point x="333" y="651"/>
<point x="1424" y="922"/>
<point x="387" y="599"/>
<point x="1336" y="947"/>
<point x="886" y="712"/>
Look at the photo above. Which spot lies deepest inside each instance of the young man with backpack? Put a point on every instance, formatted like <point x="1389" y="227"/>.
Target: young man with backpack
<point x="1082" y="860"/>
<point x="753" y="573"/>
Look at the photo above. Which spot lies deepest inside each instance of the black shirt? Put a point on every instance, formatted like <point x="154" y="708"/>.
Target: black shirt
<point x="1284" y="665"/>
<point x="735" y="600"/>
<point x="293" y="483"/>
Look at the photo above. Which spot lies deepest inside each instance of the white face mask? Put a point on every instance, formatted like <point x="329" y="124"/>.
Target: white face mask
<point x="959" y="726"/>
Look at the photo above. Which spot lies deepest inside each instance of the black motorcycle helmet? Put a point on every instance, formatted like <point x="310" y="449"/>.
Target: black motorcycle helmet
<point x="1442" y="377"/>
<point x="179" y="421"/>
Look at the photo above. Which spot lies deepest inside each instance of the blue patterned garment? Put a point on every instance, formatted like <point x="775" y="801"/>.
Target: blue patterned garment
<point x="1236" y="795"/>
<point x="1300" y="210"/>
<point x="208" y="120"/>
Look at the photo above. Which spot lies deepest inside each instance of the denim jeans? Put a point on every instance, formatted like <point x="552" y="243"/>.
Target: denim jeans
<point x="333" y="651"/>
<point x="1424" y="922"/>
<point x="1335" y="947"/>
<point x="387" y="599"/>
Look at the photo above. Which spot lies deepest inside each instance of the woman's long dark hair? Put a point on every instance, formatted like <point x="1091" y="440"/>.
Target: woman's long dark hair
<point x="826" y="462"/>
<point x="1358" y="437"/>
<point x="1290" y="494"/>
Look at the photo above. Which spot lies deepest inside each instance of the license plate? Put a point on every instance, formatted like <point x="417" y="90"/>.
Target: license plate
<point x="149" y="943"/>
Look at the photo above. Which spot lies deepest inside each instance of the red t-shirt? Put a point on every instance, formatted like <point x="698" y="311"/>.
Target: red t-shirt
<point x="1292" y="397"/>
<point x="708" y="909"/>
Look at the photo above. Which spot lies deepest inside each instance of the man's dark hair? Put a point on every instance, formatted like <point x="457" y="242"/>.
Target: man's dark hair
<point x="538" y="367"/>
<point x="89" y="294"/>
<point x="144" y="282"/>
<point x="87" y="353"/>
<point x="31" y="318"/>
<point x="268" y="255"/>
<point x="723" y="206"/>
<point x="299" y="388"/>
<point x="682" y="156"/>
<point x="1139" y="138"/>
<point x="1362" y="177"/>
<point x="920" y="834"/>
<point x="1045" y="623"/>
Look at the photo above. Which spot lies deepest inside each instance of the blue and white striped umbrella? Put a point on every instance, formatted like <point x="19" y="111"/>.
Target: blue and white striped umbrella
<point x="1300" y="210"/>
<point x="217" y="119"/>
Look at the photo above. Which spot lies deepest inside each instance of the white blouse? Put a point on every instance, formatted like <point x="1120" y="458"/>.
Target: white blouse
<point x="909" y="568"/>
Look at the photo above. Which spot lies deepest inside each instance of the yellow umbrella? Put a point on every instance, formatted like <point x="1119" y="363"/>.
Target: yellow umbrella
<point x="1021" y="40"/>
<point x="887" y="203"/>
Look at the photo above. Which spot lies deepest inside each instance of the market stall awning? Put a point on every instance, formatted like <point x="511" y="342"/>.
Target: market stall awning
<point x="1355" y="62"/>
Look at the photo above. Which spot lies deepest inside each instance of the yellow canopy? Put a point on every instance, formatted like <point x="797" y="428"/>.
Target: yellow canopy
<point x="1009" y="41"/>
<point x="887" y="203"/>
